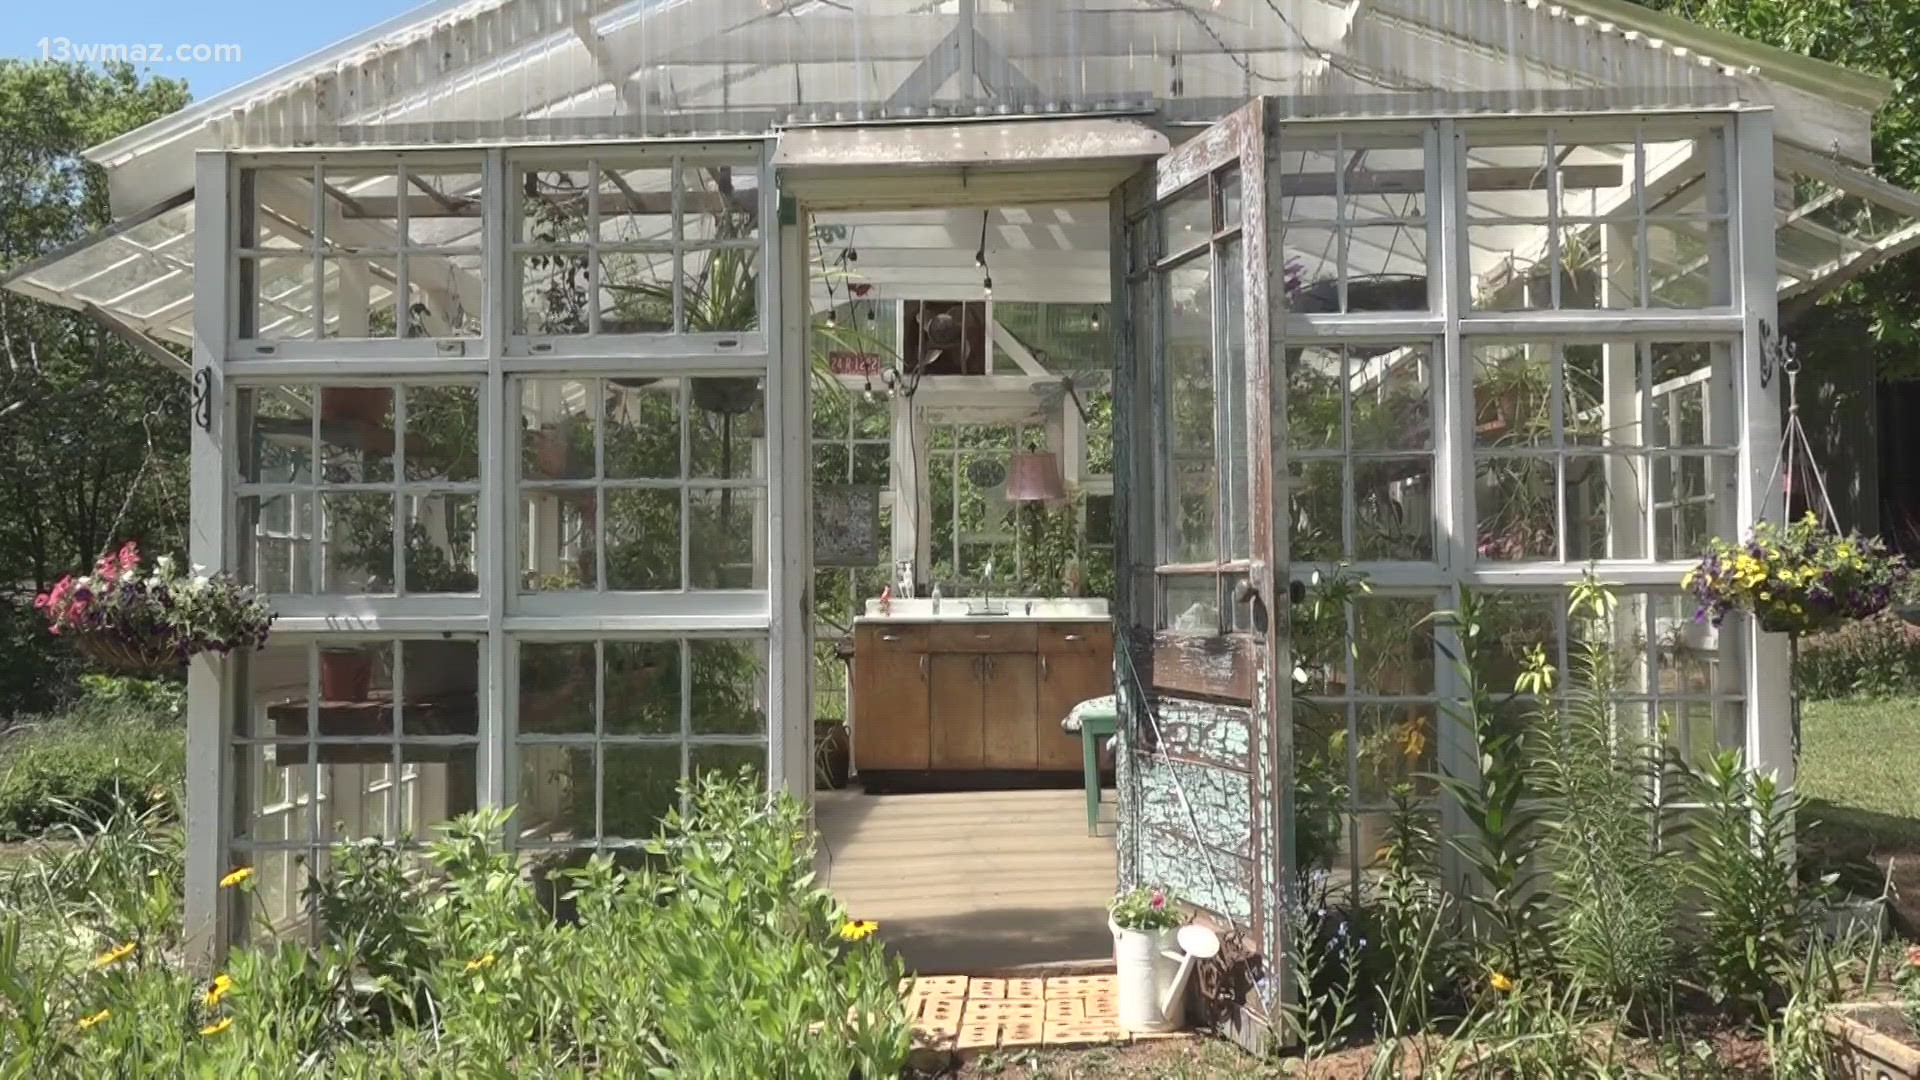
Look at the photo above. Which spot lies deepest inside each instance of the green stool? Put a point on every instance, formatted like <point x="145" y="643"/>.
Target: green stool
<point x="1093" y="719"/>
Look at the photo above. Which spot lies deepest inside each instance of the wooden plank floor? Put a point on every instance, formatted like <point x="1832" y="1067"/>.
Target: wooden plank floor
<point x="974" y="882"/>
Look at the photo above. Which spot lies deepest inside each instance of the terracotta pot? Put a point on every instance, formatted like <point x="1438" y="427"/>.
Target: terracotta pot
<point x="345" y="675"/>
<point x="360" y="404"/>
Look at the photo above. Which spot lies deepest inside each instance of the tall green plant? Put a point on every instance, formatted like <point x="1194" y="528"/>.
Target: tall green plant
<point x="1754" y="917"/>
<point x="1503" y="834"/>
<point x="1616" y="887"/>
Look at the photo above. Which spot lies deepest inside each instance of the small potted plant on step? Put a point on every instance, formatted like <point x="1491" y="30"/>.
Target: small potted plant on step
<point x="1145" y="960"/>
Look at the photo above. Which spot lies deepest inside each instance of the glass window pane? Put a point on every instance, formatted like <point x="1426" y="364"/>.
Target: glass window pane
<point x="642" y="784"/>
<point x="276" y="440"/>
<point x="643" y="539"/>
<point x="273" y="533"/>
<point x="440" y="687"/>
<point x="1186" y="220"/>
<point x="1606" y="507"/>
<point x="277" y="298"/>
<point x="1687" y="263"/>
<point x="554" y="799"/>
<point x="358" y="297"/>
<point x="443" y="434"/>
<point x="1314" y="513"/>
<point x="1191" y="604"/>
<point x="1513" y="625"/>
<point x="643" y="687"/>
<point x="1396" y="746"/>
<point x="1393" y="645"/>
<point x="1517" y="509"/>
<point x="727" y="421"/>
<point x="643" y="428"/>
<point x="1391" y="390"/>
<point x="1513" y="395"/>
<point x="356" y="434"/>
<point x="442" y="541"/>
<point x="636" y="292"/>
<point x="358" y="554"/>
<point x="729" y="687"/>
<point x="725" y="531"/>
<point x="437" y="784"/>
<point x="554" y="293"/>
<point x="556" y="429"/>
<point x="1187" y="298"/>
<point x="730" y="760"/>
<point x="636" y="206"/>
<point x="1234" y="430"/>
<point x="1603" y="387"/>
<point x="556" y="687"/>
<point x="557" y="542"/>
<point x="1393" y="508"/>
<point x="720" y="200"/>
<point x="720" y="290"/>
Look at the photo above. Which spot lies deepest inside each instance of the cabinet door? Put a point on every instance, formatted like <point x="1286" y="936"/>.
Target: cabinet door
<point x="1012" y="685"/>
<point x="890" y="712"/>
<point x="956" y="711"/>
<point x="1067" y="680"/>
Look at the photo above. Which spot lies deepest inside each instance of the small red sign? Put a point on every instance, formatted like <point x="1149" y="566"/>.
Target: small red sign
<point x="853" y="363"/>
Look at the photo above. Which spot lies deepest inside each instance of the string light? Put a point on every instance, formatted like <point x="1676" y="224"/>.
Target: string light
<point x="1096" y="318"/>
<point x="980" y="256"/>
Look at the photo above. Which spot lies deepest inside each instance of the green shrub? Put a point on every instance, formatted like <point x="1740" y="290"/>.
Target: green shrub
<point x="1874" y="657"/>
<point x="122" y="741"/>
<point x="711" y="956"/>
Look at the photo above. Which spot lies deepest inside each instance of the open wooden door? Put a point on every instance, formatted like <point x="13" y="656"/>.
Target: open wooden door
<point x="1205" y="773"/>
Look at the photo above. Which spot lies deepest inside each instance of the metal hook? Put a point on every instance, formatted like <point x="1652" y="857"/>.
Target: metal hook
<point x="203" y="398"/>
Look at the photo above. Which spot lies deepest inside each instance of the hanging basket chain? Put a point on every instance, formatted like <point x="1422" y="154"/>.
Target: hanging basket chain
<point x="1796" y="453"/>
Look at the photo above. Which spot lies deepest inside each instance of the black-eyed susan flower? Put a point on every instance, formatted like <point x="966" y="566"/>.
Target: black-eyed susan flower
<point x="217" y="1026"/>
<point x="113" y="955"/>
<point x="1499" y="981"/>
<point x="857" y="929"/>
<point x="217" y="990"/>
<point x="236" y="877"/>
<point x="100" y="1017"/>
<point x="481" y="963"/>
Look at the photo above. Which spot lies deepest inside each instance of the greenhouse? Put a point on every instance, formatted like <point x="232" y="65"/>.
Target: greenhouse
<point x="611" y="390"/>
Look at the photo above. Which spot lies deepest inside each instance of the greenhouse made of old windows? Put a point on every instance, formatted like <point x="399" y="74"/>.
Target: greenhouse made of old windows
<point x="576" y="375"/>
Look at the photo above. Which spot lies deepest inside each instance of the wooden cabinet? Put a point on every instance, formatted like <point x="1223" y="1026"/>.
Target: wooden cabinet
<point x="892" y="718"/>
<point x="973" y="697"/>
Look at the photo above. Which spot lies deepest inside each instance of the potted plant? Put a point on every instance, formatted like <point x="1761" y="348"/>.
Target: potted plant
<point x="150" y="622"/>
<point x="1144" y="921"/>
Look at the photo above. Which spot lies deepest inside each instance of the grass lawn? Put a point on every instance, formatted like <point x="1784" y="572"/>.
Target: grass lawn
<point x="1860" y="767"/>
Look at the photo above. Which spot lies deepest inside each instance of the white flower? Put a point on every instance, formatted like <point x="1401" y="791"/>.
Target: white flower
<point x="198" y="569"/>
<point x="164" y="562"/>
<point x="199" y="582"/>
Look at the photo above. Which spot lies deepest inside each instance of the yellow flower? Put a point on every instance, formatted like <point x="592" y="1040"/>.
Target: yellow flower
<point x="857" y="929"/>
<point x="217" y="1026"/>
<point x="480" y="963"/>
<point x="236" y="877"/>
<point x="113" y="955"/>
<point x="1500" y="982"/>
<point x="221" y="984"/>
<point x="86" y="1022"/>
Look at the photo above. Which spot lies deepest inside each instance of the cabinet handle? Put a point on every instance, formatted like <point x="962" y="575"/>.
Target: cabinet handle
<point x="983" y="636"/>
<point x="986" y="662"/>
<point x="889" y="637"/>
<point x="923" y="667"/>
<point x="1043" y="666"/>
<point x="1072" y="637"/>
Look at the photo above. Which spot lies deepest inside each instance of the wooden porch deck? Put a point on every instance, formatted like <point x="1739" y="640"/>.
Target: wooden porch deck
<point x="975" y="882"/>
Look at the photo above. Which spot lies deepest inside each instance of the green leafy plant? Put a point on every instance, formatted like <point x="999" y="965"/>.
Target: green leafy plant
<point x="1754" y="916"/>
<point x="1503" y="831"/>
<point x="1146" y="908"/>
<point x="1412" y="915"/>
<point x="1878" y="656"/>
<point x="1616" y="887"/>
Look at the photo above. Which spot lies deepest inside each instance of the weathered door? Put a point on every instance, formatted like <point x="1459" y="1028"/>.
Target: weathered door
<point x="1204" y="788"/>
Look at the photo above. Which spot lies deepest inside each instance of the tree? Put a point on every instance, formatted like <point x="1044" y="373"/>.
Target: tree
<point x="93" y="435"/>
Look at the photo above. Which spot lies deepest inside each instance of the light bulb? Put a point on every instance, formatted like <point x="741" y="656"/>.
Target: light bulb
<point x="980" y="259"/>
<point x="832" y="319"/>
<point x="988" y="285"/>
<point x="1096" y="320"/>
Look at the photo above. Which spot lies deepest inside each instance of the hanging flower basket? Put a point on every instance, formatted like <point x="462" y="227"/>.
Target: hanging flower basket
<point x="122" y="655"/>
<point x="150" y="621"/>
<point x="1796" y="579"/>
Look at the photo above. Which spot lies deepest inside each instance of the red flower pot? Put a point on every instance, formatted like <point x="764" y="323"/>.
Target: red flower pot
<point x="345" y="675"/>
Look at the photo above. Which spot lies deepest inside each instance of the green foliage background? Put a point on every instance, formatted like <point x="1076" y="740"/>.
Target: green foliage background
<point x="83" y="417"/>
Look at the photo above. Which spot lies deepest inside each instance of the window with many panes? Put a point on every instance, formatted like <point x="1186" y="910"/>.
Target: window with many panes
<point x="348" y="738"/>
<point x="608" y="728"/>
<point x="365" y="489"/>
<point x="1577" y="444"/>
<point x="1194" y="279"/>
<point x="642" y="483"/>
<point x="613" y="244"/>
<point x="1359" y="448"/>
<point x="1598" y="216"/>
<point x="380" y="250"/>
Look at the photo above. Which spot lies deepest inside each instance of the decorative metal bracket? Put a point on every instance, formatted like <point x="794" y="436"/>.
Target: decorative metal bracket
<point x="203" y="398"/>
<point x="1776" y="353"/>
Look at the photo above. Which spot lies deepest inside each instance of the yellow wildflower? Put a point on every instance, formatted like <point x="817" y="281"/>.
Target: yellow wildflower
<point x="1500" y="982"/>
<point x="217" y="1026"/>
<point x="113" y="955"/>
<point x="221" y="984"/>
<point x="236" y="877"/>
<point x="86" y="1022"/>
<point x="857" y="929"/>
<point x="480" y="963"/>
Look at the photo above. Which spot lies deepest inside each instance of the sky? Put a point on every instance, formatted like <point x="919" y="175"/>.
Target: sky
<point x="268" y="33"/>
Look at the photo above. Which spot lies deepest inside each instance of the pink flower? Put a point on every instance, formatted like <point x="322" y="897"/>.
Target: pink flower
<point x="1158" y="901"/>
<point x="129" y="556"/>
